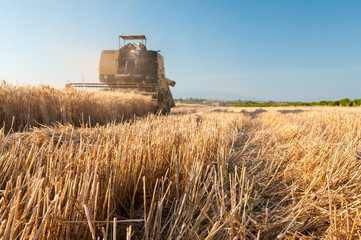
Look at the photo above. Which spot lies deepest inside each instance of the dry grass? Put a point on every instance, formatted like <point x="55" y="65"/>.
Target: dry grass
<point x="251" y="175"/>
<point x="23" y="107"/>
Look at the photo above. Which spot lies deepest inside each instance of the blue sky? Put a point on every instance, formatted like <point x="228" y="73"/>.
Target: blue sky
<point x="278" y="50"/>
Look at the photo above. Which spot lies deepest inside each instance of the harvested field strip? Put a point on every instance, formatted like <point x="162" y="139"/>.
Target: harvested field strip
<point x="22" y="107"/>
<point x="306" y="168"/>
<point x="49" y="175"/>
<point x="212" y="175"/>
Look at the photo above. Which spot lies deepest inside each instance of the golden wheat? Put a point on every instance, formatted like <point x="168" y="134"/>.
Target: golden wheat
<point x="254" y="175"/>
<point x="26" y="106"/>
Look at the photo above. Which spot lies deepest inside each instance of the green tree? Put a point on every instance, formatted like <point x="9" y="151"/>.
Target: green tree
<point x="345" y="102"/>
<point x="356" y="102"/>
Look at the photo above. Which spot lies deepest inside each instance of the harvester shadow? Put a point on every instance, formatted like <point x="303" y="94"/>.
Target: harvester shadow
<point x="255" y="113"/>
<point x="290" y="111"/>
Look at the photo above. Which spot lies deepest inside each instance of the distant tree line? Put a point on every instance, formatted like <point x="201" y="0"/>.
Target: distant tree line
<point x="192" y="100"/>
<point x="203" y="101"/>
<point x="343" y="102"/>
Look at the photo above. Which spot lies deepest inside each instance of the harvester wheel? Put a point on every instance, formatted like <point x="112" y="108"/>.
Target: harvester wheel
<point x="164" y="109"/>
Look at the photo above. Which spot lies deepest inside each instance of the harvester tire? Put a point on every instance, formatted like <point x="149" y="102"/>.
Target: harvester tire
<point x="164" y="109"/>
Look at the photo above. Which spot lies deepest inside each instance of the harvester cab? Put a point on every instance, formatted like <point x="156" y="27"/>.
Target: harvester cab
<point x="134" y="67"/>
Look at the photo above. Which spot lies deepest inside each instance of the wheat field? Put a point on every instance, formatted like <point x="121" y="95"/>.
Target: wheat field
<point x="28" y="106"/>
<point x="228" y="173"/>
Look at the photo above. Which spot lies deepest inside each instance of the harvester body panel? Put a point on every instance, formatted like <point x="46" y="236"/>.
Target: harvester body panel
<point x="108" y="62"/>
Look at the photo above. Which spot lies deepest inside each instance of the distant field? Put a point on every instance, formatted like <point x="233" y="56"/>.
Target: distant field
<point x="199" y="173"/>
<point x="244" y="103"/>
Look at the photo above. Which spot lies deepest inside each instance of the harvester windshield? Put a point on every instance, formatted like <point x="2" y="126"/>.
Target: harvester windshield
<point x="132" y="37"/>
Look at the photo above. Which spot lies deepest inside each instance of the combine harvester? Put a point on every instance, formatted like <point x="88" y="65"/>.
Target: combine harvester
<point x="133" y="67"/>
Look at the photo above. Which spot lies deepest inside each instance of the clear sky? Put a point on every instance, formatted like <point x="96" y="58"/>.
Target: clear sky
<point x="292" y="50"/>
